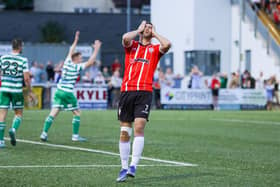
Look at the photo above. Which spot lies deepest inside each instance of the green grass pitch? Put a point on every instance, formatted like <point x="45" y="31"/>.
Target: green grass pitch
<point x="230" y="149"/>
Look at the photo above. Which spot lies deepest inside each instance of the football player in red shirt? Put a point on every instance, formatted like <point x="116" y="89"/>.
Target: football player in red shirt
<point x="215" y="85"/>
<point x="141" y="60"/>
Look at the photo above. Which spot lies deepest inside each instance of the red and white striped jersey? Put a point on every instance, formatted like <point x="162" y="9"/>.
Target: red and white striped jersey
<point x="140" y="64"/>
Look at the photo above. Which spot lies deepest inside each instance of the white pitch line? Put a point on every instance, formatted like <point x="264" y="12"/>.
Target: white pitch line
<point x="247" y="121"/>
<point x="103" y="152"/>
<point x="79" y="166"/>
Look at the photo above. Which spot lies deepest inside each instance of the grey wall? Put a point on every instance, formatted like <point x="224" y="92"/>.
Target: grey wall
<point x="106" y="27"/>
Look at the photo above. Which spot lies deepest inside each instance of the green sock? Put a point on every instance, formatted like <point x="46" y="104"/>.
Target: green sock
<point x="2" y="130"/>
<point x="76" y="124"/>
<point x="16" y="122"/>
<point x="48" y="123"/>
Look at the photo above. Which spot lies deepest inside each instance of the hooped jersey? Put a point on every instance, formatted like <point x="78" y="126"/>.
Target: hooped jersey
<point x="70" y="73"/>
<point x="12" y="67"/>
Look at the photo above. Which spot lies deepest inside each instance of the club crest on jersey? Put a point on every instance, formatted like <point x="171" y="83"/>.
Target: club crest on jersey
<point x="151" y="50"/>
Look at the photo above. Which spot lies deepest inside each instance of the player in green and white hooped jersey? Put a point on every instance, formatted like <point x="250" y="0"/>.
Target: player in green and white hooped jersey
<point x="14" y="69"/>
<point x="64" y="97"/>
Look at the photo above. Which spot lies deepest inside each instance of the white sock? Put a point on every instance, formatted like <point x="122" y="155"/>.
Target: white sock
<point x="137" y="149"/>
<point x="44" y="133"/>
<point x="124" y="148"/>
<point x="75" y="136"/>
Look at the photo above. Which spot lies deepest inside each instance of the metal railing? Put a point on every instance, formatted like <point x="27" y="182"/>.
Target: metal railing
<point x="259" y="28"/>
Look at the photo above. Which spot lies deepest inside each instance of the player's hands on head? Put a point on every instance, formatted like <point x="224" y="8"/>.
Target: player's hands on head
<point x="97" y="44"/>
<point x="141" y="27"/>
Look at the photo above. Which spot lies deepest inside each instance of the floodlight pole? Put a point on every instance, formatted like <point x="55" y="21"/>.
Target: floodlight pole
<point x="128" y="14"/>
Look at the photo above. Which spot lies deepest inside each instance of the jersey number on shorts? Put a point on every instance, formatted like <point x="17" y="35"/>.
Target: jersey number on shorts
<point x="10" y="71"/>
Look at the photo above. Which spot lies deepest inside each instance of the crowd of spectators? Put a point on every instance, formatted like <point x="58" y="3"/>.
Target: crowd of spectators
<point x="196" y="80"/>
<point x="111" y="76"/>
<point x="271" y="7"/>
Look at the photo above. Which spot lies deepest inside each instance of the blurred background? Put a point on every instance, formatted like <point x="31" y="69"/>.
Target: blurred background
<point x="234" y="41"/>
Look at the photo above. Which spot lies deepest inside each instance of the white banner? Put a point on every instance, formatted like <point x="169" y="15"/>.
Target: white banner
<point x="89" y="97"/>
<point x="204" y="96"/>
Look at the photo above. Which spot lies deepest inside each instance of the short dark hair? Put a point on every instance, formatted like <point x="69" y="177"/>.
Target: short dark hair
<point x="17" y="44"/>
<point x="76" y="54"/>
<point x="150" y="23"/>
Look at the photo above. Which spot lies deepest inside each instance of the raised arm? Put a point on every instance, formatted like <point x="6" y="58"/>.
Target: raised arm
<point x="165" y="44"/>
<point x="74" y="44"/>
<point x="96" y="46"/>
<point x="129" y="36"/>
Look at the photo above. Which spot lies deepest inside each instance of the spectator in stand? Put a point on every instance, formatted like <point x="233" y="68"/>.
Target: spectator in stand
<point x="248" y="82"/>
<point x="278" y="11"/>
<point x="58" y="71"/>
<point x="207" y="83"/>
<point x="269" y="93"/>
<point x="257" y="3"/>
<point x="93" y="70"/>
<point x="275" y="83"/>
<point x="106" y="74"/>
<point x="260" y="81"/>
<point x="35" y="72"/>
<point x="50" y="71"/>
<point x="272" y="8"/>
<point x="99" y="79"/>
<point x="156" y="88"/>
<point x="162" y="80"/>
<point x="178" y="81"/>
<point x="215" y="85"/>
<point x="223" y="80"/>
<point x="156" y="74"/>
<point x="244" y="78"/>
<point x="78" y="79"/>
<point x="266" y="6"/>
<point x="169" y="76"/>
<point x="42" y="73"/>
<point x="116" y="66"/>
<point x="234" y="82"/>
<point x="116" y="82"/>
<point x="276" y="15"/>
<point x="251" y="82"/>
<point x="195" y="78"/>
<point x="86" y="78"/>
